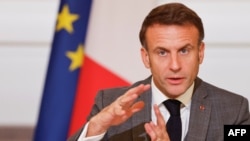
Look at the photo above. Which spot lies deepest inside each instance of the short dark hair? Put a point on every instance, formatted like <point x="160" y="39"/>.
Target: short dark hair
<point x="171" y="14"/>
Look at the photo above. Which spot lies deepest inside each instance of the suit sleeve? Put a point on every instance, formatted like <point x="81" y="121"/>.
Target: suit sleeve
<point x="95" y="109"/>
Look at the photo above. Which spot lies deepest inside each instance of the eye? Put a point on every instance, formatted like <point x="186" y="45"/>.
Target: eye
<point x="184" y="51"/>
<point x="162" y="52"/>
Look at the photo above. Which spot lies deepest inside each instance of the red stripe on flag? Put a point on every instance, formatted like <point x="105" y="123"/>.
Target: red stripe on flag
<point x="93" y="77"/>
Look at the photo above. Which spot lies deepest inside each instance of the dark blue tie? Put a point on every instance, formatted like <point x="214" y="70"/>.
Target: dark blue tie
<point x="174" y="123"/>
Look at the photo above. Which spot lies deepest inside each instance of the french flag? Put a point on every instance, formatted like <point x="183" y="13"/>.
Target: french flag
<point x="95" y="46"/>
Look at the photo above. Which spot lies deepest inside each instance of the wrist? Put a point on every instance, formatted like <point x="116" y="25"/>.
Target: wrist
<point x="96" y="127"/>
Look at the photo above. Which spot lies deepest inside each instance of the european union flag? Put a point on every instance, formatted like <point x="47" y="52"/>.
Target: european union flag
<point x="66" y="59"/>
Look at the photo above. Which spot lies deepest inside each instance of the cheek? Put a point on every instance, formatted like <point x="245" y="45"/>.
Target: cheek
<point x="194" y="65"/>
<point x="158" y="65"/>
<point x="191" y="64"/>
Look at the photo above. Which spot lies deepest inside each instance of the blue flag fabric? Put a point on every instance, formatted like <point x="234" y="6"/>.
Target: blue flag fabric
<point x="62" y="75"/>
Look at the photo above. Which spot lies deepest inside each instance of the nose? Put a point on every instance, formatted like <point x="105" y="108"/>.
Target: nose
<point x="175" y="65"/>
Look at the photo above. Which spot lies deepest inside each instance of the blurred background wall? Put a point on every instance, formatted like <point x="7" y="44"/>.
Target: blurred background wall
<point x="26" y="33"/>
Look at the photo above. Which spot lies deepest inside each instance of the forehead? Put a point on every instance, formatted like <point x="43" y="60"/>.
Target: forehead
<point x="158" y="34"/>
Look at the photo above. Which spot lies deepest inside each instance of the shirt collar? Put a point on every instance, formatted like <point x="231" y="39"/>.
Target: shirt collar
<point x="159" y="97"/>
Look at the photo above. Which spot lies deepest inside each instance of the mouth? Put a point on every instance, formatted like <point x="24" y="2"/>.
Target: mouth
<point x="175" y="80"/>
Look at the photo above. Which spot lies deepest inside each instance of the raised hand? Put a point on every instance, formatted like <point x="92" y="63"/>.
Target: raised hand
<point x="118" y="111"/>
<point x="157" y="132"/>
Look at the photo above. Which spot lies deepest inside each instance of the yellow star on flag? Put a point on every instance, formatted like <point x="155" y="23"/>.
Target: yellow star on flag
<point x="76" y="58"/>
<point x="65" y="19"/>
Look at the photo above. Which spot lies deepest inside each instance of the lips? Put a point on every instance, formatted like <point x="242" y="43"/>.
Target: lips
<point x="175" y="80"/>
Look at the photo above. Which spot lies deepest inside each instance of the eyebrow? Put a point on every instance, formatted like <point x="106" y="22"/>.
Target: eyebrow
<point x="181" y="47"/>
<point x="187" y="45"/>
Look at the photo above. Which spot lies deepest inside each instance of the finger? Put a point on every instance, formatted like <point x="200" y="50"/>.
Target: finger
<point x="150" y="131"/>
<point x="127" y="100"/>
<point x="138" y="89"/>
<point x="133" y="109"/>
<point x="137" y="106"/>
<point x="155" y="132"/>
<point x="159" y="118"/>
<point x="131" y="95"/>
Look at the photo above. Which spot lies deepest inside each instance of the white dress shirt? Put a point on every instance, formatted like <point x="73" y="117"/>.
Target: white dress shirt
<point x="157" y="98"/>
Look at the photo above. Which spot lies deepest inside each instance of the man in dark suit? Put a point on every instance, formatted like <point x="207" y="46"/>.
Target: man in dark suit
<point x="172" y="48"/>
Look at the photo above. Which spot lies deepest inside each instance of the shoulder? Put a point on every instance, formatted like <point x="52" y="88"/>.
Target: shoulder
<point x="219" y="98"/>
<point x="230" y="105"/>
<point x="220" y="93"/>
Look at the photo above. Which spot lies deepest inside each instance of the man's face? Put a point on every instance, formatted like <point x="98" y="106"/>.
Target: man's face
<point x="173" y="56"/>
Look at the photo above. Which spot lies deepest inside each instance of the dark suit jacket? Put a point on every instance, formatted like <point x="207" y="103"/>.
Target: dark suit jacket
<point x="211" y="109"/>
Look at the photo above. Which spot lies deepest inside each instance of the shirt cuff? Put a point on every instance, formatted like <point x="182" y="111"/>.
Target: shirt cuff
<point x="92" y="138"/>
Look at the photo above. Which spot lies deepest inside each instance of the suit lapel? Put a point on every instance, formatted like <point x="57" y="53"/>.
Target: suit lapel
<point x="199" y="114"/>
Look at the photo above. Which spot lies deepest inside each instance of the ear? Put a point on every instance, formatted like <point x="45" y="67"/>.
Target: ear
<point x="145" y="57"/>
<point x="201" y="52"/>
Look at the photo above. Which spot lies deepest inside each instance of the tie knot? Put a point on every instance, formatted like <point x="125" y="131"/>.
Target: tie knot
<point x="173" y="106"/>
